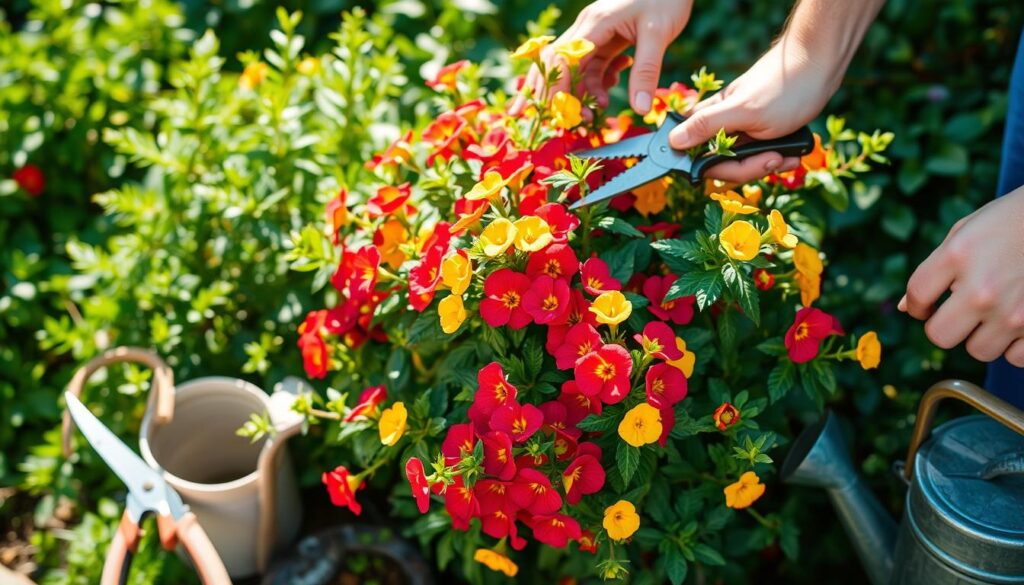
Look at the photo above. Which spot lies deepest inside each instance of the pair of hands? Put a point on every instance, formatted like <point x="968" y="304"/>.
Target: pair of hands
<point x="982" y="258"/>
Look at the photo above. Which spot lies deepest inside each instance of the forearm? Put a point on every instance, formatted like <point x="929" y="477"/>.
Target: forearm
<point x="827" y="32"/>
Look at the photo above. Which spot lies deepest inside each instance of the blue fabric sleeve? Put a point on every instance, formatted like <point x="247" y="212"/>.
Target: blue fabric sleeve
<point x="1005" y="380"/>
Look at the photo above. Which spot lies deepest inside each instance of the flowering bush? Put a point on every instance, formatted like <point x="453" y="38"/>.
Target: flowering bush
<point x="612" y="377"/>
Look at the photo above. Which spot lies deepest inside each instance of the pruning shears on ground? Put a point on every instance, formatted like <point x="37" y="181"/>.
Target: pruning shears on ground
<point x="658" y="158"/>
<point x="147" y="493"/>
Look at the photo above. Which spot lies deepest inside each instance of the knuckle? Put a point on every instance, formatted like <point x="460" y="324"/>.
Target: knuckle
<point x="937" y="334"/>
<point x="1016" y="356"/>
<point x="980" y="350"/>
<point x="982" y="298"/>
<point x="1015" y="320"/>
<point x="657" y="28"/>
<point x="957" y="253"/>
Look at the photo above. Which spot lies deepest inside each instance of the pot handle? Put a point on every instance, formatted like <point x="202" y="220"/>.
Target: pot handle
<point x="161" y="395"/>
<point x="973" y="395"/>
<point x="286" y="424"/>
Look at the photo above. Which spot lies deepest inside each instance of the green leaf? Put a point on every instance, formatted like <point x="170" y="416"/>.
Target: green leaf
<point x="789" y="540"/>
<point x="619" y="226"/>
<point x="627" y="459"/>
<point x="705" y="285"/>
<point x="741" y="285"/>
<point x="638" y="301"/>
<point x="781" y="380"/>
<point x="685" y="249"/>
<point x="950" y="160"/>
<point x="597" y="423"/>
<point x="708" y="555"/>
<point x="675" y="566"/>
<point x="899" y="221"/>
<point x="713" y="218"/>
<point x="823" y="374"/>
<point x="773" y="346"/>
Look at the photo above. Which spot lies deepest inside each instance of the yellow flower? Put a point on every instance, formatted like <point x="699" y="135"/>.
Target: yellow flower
<point x="392" y="423"/>
<point x="810" y="287"/>
<point x="684" y="364"/>
<point x="532" y="47"/>
<point x="611" y="308"/>
<point x="495" y="561"/>
<point x="308" y="66"/>
<point x="497" y="237"/>
<point x="780" y="230"/>
<point x="733" y="203"/>
<point x="807" y="260"/>
<point x="869" y="350"/>
<point x="621" y="520"/>
<point x="744" y="492"/>
<point x="532" y="233"/>
<point x="489" y="188"/>
<point x="253" y="75"/>
<point x="452" y="313"/>
<point x="650" y="198"/>
<point x="641" y="425"/>
<point x="574" y="50"/>
<point x="741" y="240"/>
<point x="389" y="239"/>
<point x="753" y="194"/>
<point x="566" y="110"/>
<point x="457" y="272"/>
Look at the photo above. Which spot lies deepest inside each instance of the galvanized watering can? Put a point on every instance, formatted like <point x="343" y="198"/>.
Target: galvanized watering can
<point x="963" y="522"/>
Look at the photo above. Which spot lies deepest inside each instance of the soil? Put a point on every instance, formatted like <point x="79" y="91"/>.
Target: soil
<point x="16" y="550"/>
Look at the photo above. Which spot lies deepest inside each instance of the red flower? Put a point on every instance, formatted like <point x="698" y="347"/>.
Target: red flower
<point x="658" y="340"/>
<point x="438" y="239"/>
<point x="460" y="440"/>
<point x="668" y="421"/>
<point x="394" y="155"/>
<point x="369" y="400"/>
<point x="388" y="199"/>
<point x="365" y="266"/>
<point x="31" y="179"/>
<point x="579" y="312"/>
<point x="666" y="385"/>
<point x="596" y="278"/>
<point x="461" y="503"/>
<point x="446" y="76"/>
<point x="503" y="299"/>
<point x="580" y="340"/>
<point x="493" y="390"/>
<point x="810" y="327"/>
<point x="498" y="458"/>
<point x="679" y="311"/>
<point x="790" y="179"/>
<point x="531" y="199"/>
<point x="531" y="490"/>
<point x="519" y="421"/>
<point x="550" y="157"/>
<point x="726" y="416"/>
<point x="556" y="530"/>
<point x="547" y="300"/>
<point x="494" y="146"/>
<point x="763" y="279"/>
<point x="577" y="405"/>
<point x="336" y="214"/>
<point x="424" y="278"/>
<point x="315" y="354"/>
<point x="556" y="261"/>
<point x="419" y="484"/>
<point x="562" y="221"/>
<point x="469" y="212"/>
<point x="497" y="514"/>
<point x="605" y="372"/>
<point x="342" y="487"/>
<point x="661" y="230"/>
<point x="587" y="542"/>
<point x="444" y="134"/>
<point x="584" y="476"/>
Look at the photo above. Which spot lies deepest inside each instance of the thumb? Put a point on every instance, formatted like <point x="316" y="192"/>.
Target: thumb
<point x="705" y="123"/>
<point x="643" y="77"/>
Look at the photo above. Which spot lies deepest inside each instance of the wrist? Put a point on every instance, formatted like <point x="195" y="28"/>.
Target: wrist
<point x="827" y="33"/>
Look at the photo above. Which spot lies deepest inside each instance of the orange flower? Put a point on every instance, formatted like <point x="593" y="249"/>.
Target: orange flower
<point x="780" y="230"/>
<point x="452" y="313"/>
<point x="741" y="240"/>
<point x="392" y="423"/>
<point x="389" y="239"/>
<point x="684" y="364"/>
<point x="641" y="425"/>
<point x="532" y="233"/>
<point x="807" y="260"/>
<point x="489" y="188"/>
<point x="495" y="561"/>
<point x="532" y="47"/>
<point x="621" y="520"/>
<point x="732" y="202"/>
<point x="726" y="416"/>
<point x="253" y="75"/>
<point x="447" y="76"/>
<point x="817" y="158"/>
<point x="810" y="287"/>
<point x="869" y="351"/>
<point x="744" y="492"/>
<point x="650" y="198"/>
<point x="457" y="272"/>
<point x="753" y="194"/>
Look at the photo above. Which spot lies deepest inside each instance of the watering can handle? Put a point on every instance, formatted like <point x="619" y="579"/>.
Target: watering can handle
<point x="980" y="399"/>
<point x="161" y="397"/>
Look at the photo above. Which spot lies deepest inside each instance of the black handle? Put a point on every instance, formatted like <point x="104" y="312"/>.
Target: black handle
<point x="798" y="143"/>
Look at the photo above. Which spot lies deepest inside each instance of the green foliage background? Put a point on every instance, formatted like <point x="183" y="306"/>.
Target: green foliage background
<point x="89" y="93"/>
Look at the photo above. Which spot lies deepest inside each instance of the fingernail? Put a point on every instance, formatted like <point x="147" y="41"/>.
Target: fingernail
<point x="772" y="164"/>
<point x="902" y="306"/>
<point x="642" y="102"/>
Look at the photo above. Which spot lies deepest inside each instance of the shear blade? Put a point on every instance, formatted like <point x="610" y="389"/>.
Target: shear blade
<point x="639" y="174"/>
<point x="634" y="147"/>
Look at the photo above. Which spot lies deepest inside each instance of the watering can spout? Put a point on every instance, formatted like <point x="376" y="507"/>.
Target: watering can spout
<point x="819" y="458"/>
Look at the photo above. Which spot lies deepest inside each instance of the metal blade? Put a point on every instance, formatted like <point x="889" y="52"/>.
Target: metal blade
<point x="639" y="174"/>
<point x="629" y="148"/>
<point x="145" y="484"/>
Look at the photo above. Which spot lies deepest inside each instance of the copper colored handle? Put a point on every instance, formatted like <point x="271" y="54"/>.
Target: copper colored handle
<point x="980" y="399"/>
<point x="205" y="558"/>
<point x="119" y="555"/>
<point x="161" y="396"/>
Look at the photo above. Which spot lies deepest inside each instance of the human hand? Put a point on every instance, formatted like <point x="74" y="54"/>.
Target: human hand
<point x="982" y="262"/>
<point x="613" y="26"/>
<point x="784" y="90"/>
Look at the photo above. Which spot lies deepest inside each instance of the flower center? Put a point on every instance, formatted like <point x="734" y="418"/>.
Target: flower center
<point x="668" y="305"/>
<point x="519" y="426"/>
<point x="583" y="349"/>
<point x="510" y="300"/>
<point x="550" y="303"/>
<point x="553" y="268"/>
<point x="802" y="331"/>
<point x="500" y="393"/>
<point x="605" y="371"/>
<point x="594" y="283"/>
<point x="658" y="386"/>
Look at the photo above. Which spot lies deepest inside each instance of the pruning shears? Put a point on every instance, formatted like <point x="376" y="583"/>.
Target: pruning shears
<point x="148" y="493"/>
<point x="658" y="158"/>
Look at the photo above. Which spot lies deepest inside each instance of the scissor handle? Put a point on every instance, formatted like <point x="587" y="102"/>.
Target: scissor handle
<point x="119" y="555"/>
<point x="798" y="143"/>
<point x="204" y="557"/>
